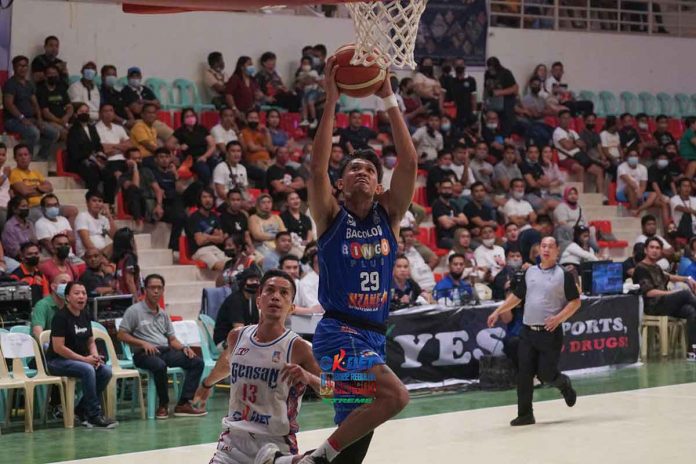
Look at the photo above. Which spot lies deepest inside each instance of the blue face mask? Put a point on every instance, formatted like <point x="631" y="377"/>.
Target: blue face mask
<point x="110" y="81"/>
<point x="89" y="74"/>
<point x="134" y="82"/>
<point x="52" y="212"/>
<point x="60" y="290"/>
<point x="445" y="127"/>
<point x="250" y="70"/>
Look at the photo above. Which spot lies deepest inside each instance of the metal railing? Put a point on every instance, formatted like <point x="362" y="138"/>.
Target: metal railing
<point x="669" y="17"/>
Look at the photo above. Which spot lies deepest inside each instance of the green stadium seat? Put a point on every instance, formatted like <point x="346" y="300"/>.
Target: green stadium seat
<point x="651" y="106"/>
<point x="73" y="79"/>
<point x="686" y="106"/>
<point x="188" y="96"/>
<point x="610" y="103"/>
<point x="162" y="91"/>
<point x="591" y="96"/>
<point x="631" y="103"/>
<point x="668" y="105"/>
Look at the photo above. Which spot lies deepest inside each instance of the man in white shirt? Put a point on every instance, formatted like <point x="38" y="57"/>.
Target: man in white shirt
<point x="95" y="227"/>
<point x="115" y="141"/>
<point x="225" y="131"/>
<point x="428" y="140"/>
<point x="631" y="180"/>
<point x="683" y="203"/>
<point x="85" y="91"/>
<point x="572" y="151"/>
<point x="52" y="223"/>
<point x="489" y="256"/>
<point x="308" y="288"/>
<point x="230" y="174"/>
<point x="516" y="209"/>
<point x="420" y="271"/>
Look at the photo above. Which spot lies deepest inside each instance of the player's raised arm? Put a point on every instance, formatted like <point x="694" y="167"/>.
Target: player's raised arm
<point x="398" y="198"/>
<point x="322" y="204"/>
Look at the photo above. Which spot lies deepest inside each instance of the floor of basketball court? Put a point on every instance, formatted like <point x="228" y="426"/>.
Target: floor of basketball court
<point x="634" y="415"/>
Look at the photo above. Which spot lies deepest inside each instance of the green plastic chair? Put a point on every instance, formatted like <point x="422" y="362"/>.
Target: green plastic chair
<point x="591" y="96"/>
<point x="631" y="103"/>
<point x="73" y="79"/>
<point x="668" y="105"/>
<point x="610" y="102"/>
<point x="209" y="328"/>
<point x="162" y="91"/>
<point x="122" y="82"/>
<point x="188" y="96"/>
<point x="651" y="106"/>
<point x="174" y="372"/>
<point x="686" y="108"/>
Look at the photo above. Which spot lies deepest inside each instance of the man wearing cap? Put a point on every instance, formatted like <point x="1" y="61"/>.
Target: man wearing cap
<point x="550" y="298"/>
<point x="135" y="95"/>
<point x="239" y="309"/>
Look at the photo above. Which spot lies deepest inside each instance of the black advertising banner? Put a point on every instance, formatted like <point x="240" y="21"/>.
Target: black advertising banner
<point x="433" y="344"/>
<point x="454" y="29"/>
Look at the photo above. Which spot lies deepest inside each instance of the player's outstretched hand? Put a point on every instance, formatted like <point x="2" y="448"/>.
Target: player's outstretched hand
<point x="330" y="87"/>
<point x="386" y="88"/>
<point x="294" y="374"/>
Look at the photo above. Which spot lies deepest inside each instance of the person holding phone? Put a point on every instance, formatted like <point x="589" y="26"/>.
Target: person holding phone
<point x="73" y="353"/>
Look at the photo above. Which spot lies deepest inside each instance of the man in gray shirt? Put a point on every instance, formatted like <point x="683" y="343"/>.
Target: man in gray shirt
<point x="550" y="298"/>
<point x="150" y="332"/>
<point x="506" y="170"/>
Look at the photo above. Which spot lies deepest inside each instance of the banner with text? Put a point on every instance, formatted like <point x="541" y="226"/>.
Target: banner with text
<point x="434" y="344"/>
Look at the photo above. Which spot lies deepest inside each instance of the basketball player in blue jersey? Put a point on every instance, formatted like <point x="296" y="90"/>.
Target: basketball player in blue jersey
<point x="357" y="251"/>
<point x="269" y="368"/>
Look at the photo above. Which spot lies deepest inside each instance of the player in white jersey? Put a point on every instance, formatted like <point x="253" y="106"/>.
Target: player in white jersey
<point x="269" y="368"/>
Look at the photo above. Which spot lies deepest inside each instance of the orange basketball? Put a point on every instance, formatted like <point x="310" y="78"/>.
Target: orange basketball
<point x="356" y="81"/>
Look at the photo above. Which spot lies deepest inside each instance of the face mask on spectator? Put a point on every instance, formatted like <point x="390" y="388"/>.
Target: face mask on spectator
<point x="60" y="290"/>
<point x="110" y="81"/>
<point x="389" y="162"/>
<point x="488" y="242"/>
<point x="250" y="70"/>
<point x="63" y="252"/>
<point x="316" y="61"/>
<point x="446" y="195"/>
<point x="517" y="195"/>
<point x="134" y="82"/>
<point x="459" y="69"/>
<point x="492" y="125"/>
<point x="632" y="161"/>
<point x="662" y="163"/>
<point x="89" y="74"/>
<point x="190" y="121"/>
<point x="251" y="288"/>
<point x="23" y="213"/>
<point x="515" y="263"/>
<point x="456" y="275"/>
<point x="53" y="80"/>
<point x="590" y="126"/>
<point x="83" y="118"/>
<point x="427" y="70"/>
<point x="32" y="261"/>
<point x="643" y="125"/>
<point x="445" y="127"/>
<point x="306" y="67"/>
<point x="52" y="212"/>
<point x="253" y="124"/>
<point x="231" y="253"/>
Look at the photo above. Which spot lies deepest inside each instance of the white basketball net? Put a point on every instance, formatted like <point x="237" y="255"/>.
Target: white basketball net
<point x="388" y="29"/>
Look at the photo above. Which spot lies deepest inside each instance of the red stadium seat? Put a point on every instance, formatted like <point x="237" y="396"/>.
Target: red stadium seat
<point x="420" y="196"/>
<point x="121" y="212"/>
<point x="450" y="109"/>
<point x="254" y="194"/>
<point x="676" y="128"/>
<point x="551" y="121"/>
<point x="209" y="119"/>
<point x="185" y="257"/>
<point x="599" y="125"/>
<point x="60" y="167"/>
<point x="166" y="117"/>
<point x="605" y="226"/>
<point x="341" y="120"/>
<point x="579" y="124"/>
<point x="368" y="120"/>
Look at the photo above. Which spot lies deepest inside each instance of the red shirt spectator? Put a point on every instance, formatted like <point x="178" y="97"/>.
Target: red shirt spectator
<point x="241" y="90"/>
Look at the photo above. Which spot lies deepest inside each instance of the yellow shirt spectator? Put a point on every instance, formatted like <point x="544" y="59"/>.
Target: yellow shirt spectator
<point x="31" y="179"/>
<point x="142" y="136"/>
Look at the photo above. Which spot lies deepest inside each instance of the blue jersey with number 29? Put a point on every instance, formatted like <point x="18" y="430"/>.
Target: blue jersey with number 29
<point x="356" y="260"/>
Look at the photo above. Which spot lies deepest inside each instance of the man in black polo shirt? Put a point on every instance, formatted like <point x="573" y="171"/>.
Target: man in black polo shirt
<point x="238" y="309"/>
<point x="233" y="218"/>
<point x="113" y="97"/>
<point x="29" y="273"/>
<point x="49" y="57"/>
<point x="536" y="182"/>
<point x="462" y="91"/>
<point x="52" y="95"/>
<point x="478" y="213"/>
<point x="204" y="233"/>
<point x="169" y="206"/>
<point x="282" y="179"/>
<point x="441" y="171"/>
<point x="356" y="136"/>
<point x="447" y="216"/>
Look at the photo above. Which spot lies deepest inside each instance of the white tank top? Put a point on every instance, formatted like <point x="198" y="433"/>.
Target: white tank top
<point x="259" y="401"/>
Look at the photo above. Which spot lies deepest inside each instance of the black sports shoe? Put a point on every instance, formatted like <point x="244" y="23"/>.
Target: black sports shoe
<point x="101" y="422"/>
<point x="309" y="459"/>
<point x="569" y="395"/>
<point x="527" y="419"/>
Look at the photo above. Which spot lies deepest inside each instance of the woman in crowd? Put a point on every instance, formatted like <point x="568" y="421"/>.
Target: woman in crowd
<point x="125" y="258"/>
<point x="73" y="353"/>
<point x="84" y="149"/>
<point x="405" y="291"/>
<point x="18" y="229"/>
<point x="241" y="256"/>
<point x="579" y="251"/>
<point x="296" y="222"/>
<point x="196" y="142"/>
<point x="242" y="92"/>
<point x="279" y="138"/>
<point x="541" y="71"/>
<point x="263" y="225"/>
<point x="551" y="171"/>
<point x="462" y="245"/>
